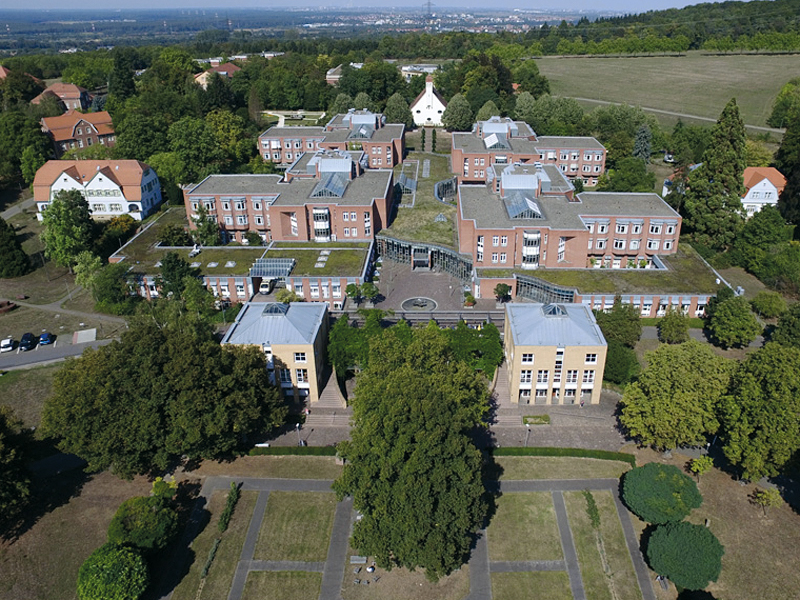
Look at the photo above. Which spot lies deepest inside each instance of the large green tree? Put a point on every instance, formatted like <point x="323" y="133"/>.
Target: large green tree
<point x="147" y="522"/>
<point x="621" y="324"/>
<point x="689" y="555"/>
<point x="788" y="330"/>
<point x="67" y="227"/>
<point x="628" y="175"/>
<point x="675" y="400"/>
<point x="458" y="115"/>
<point x="113" y="572"/>
<point x="659" y="493"/>
<point x="15" y="262"/>
<point x="17" y="133"/>
<point x="733" y="323"/>
<point x="397" y="111"/>
<point x="167" y="389"/>
<point x="14" y="480"/>
<point x="713" y="202"/>
<point x="411" y="467"/>
<point x="761" y="416"/>
<point x="787" y="100"/>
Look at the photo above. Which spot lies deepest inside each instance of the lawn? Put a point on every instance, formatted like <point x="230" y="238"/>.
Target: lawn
<point x="24" y="319"/>
<point x="686" y="273"/>
<point x="297" y="526"/>
<point x="606" y="567"/>
<point x="558" y="467"/>
<point x="25" y="390"/>
<point x="220" y="576"/>
<point x="402" y="584"/>
<point x="279" y="467"/>
<point x="282" y="585"/>
<point x="524" y="528"/>
<point x="542" y="585"/>
<point x="418" y="224"/>
<point x="696" y="84"/>
<point x="43" y="563"/>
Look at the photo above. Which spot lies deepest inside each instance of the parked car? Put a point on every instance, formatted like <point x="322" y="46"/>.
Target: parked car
<point x="27" y="342"/>
<point x="46" y="338"/>
<point x="7" y="345"/>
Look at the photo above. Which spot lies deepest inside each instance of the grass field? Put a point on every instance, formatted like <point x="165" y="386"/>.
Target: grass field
<point x="606" y="567"/>
<point x="542" y="585"/>
<point x="695" y="84"/>
<point x="279" y="467"/>
<point x="282" y="585"/>
<point x="524" y="528"/>
<point x="297" y="526"/>
<point x="402" y="584"/>
<point x="558" y="467"/>
<point x="24" y="319"/>
<point x="220" y="575"/>
<point x="25" y="390"/>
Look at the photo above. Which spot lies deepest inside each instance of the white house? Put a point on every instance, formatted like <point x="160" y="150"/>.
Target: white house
<point x="111" y="187"/>
<point x="763" y="185"/>
<point x="428" y="107"/>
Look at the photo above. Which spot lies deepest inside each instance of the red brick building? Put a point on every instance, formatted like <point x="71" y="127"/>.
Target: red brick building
<point x="77" y="130"/>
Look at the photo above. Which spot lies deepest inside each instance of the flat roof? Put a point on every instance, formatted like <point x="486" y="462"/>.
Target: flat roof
<point x="569" y="142"/>
<point x="473" y="144"/>
<point x="292" y="131"/>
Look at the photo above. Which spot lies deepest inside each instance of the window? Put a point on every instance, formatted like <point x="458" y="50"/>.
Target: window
<point x="286" y="376"/>
<point x="527" y="358"/>
<point x="655" y="229"/>
<point x="670" y="229"/>
<point x="564" y="156"/>
<point x="226" y="205"/>
<point x="619" y="244"/>
<point x="241" y="219"/>
<point x="504" y="240"/>
<point x="591" y="359"/>
<point x="525" y="376"/>
<point x="256" y="205"/>
<point x="622" y="228"/>
<point x="635" y="244"/>
<point x="636" y="228"/>
<point x="572" y="376"/>
<point x="647" y="308"/>
<point x="302" y="375"/>
<point x="314" y="291"/>
<point x="542" y="376"/>
<point x="495" y="240"/>
<point x="601" y="244"/>
<point x="336" y="290"/>
<point x="587" y="169"/>
<point x="652" y="244"/>
<point x="347" y="232"/>
<point x="354" y="232"/>
<point x="494" y="257"/>
<point x="293" y="219"/>
<point x="228" y="220"/>
<point x="259" y="220"/>
<point x="345" y="216"/>
<point x="240" y="289"/>
<point x="590" y="227"/>
<point x="587" y="156"/>
<point x="668" y="245"/>
<point x="602" y="227"/>
<point x="503" y="257"/>
<point x="239" y="205"/>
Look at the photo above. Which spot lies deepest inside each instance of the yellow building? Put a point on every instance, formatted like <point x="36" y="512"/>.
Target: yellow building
<point x="555" y="354"/>
<point x="293" y="338"/>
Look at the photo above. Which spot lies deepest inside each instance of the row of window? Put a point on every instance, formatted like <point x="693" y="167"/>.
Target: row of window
<point x="335" y="290"/>
<point x="300" y="374"/>
<point x="528" y="358"/>
<point x="620" y="244"/>
<point x="543" y="376"/>
<point x="634" y="228"/>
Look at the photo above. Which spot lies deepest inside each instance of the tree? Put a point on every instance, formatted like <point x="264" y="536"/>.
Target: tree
<point x="757" y="154"/>
<point x="120" y="82"/>
<point x="166" y="390"/>
<point x="86" y="267"/>
<point x="525" y="107"/>
<point x="141" y="136"/>
<point x="659" y="493"/>
<point x="787" y="331"/>
<point x="622" y="323"/>
<point x="487" y="111"/>
<point x="674" y="328"/>
<point x="147" y="522"/>
<point x="111" y="290"/>
<point x="17" y="133"/>
<point x="15" y="262"/>
<point x="174" y="234"/>
<point x="67" y="227"/>
<point x="194" y="142"/>
<point x="675" y="400"/>
<point x="370" y="291"/>
<point x="501" y="291"/>
<point x="362" y="101"/>
<point x="530" y="80"/>
<point x="411" y="467"/>
<point x="689" y="555"/>
<point x="397" y="111"/>
<point x="761" y="415"/>
<point x="642" y="144"/>
<point x="769" y="304"/>
<point x="14" y="480"/>
<point x="733" y="323"/>
<point x="458" y="114"/>
<point x="433" y="140"/>
<point x="173" y="272"/>
<point x="286" y="296"/>
<point x="621" y="363"/>
<point x="767" y="498"/>
<point x="701" y="465"/>
<point x="253" y="239"/>
<point x="113" y="572"/>
<point x="789" y="200"/>
<point x="341" y="104"/>
<point x="628" y="175"/>
<point x="207" y="229"/>
<point x="353" y="291"/>
<point x="31" y="161"/>
<point x="713" y="200"/>
<point x="787" y="101"/>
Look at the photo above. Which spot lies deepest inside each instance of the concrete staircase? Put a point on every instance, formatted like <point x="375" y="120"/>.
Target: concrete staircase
<point x="331" y="397"/>
<point x="501" y="394"/>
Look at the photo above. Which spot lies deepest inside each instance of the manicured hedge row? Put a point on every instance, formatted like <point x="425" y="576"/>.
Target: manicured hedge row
<point x="574" y="452"/>
<point x="294" y="451"/>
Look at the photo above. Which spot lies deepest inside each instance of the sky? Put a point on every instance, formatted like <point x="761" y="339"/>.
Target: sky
<point x="630" y="6"/>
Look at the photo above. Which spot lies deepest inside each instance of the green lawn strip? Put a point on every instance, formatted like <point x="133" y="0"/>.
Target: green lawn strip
<point x="694" y="322"/>
<point x="595" y="582"/>
<point x="340" y="262"/>
<point x="619" y="559"/>
<point x="524" y="528"/>
<point x="218" y="583"/>
<point x="317" y="245"/>
<point x="282" y="585"/>
<point x="557" y="467"/>
<point x="287" y="467"/>
<point x="25" y="390"/>
<point x="541" y="585"/>
<point x="297" y="526"/>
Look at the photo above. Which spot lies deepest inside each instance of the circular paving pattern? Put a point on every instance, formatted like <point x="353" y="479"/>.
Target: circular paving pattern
<point x="420" y="304"/>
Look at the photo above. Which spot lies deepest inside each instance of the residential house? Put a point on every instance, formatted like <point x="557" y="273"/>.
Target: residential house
<point x="503" y="141"/>
<point x="227" y="70"/>
<point x="763" y="186"/>
<point x="332" y="76"/>
<point x="554" y="354"/>
<point x="73" y="97"/>
<point x="428" y="107"/>
<point x="111" y="187"/>
<point x="79" y="130"/>
<point x="293" y="338"/>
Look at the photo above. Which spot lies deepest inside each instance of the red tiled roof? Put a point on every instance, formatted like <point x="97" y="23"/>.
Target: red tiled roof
<point x="125" y="173"/>
<point x="225" y="68"/>
<point x="65" y="91"/>
<point x="755" y="175"/>
<point x="3" y="72"/>
<point x="63" y="127"/>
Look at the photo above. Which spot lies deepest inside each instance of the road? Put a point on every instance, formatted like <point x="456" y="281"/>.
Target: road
<point x="42" y="355"/>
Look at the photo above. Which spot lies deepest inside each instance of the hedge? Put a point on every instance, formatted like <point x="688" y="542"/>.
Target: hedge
<point x="573" y="452"/>
<point x="294" y="451"/>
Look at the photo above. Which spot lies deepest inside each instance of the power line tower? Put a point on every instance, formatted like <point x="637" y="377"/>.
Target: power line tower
<point x="428" y="8"/>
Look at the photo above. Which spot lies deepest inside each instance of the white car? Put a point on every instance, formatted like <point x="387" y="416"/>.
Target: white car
<point x="7" y="345"/>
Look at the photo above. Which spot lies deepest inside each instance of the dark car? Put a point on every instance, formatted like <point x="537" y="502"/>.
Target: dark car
<point x="46" y="338"/>
<point x="27" y="342"/>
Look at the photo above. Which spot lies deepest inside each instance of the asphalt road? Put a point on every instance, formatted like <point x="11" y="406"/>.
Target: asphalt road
<point x="45" y="354"/>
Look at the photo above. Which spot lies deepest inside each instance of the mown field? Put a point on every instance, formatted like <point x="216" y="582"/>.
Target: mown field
<point x="695" y="84"/>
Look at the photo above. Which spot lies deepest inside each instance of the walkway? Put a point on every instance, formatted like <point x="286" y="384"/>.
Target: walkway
<point x="480" y="565"/>
<point x="17" y="208"/>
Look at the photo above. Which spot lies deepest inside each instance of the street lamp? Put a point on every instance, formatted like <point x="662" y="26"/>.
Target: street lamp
<point x="527" y="433"/>
<point x="300" y="442"/>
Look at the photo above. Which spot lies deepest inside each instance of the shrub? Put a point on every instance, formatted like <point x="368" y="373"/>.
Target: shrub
<point x="230" y="505"/>
<point x="591" y="509"/>
<point x="621" y="363"/>
<point x="733" y="324"/>
<point x="294" y="451"/>
<point x="149" y="523"/>
<point x="660" y="493"/>
<point x="674" y="328"/>
<point x="768" y="304"/>
<point x="689" y="555"/>
<point x="113" y="572"/>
